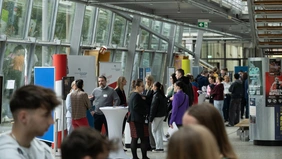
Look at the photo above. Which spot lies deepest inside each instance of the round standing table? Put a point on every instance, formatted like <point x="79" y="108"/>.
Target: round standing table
<point x="114" y="117"/>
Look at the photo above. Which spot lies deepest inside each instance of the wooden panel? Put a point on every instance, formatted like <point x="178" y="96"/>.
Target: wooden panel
<point x="268" y="2"/>
<point x="268" y="11"/>
<point x="270" y="43"/>
<point x="269" y="27"/>
<point x="270" y="35"/>
<point x="269" y="19"/>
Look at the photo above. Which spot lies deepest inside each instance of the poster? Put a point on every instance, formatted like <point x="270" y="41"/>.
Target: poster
<point x="148" y="71"/>
<point x="85" y="70"/>
<point x="112" y="71"/>
<point x="278" y="123"/>
<point x="255" y="78"/>
<point x="274" y="67"/>
<point x="141" y="73"/>
<point x="273" y="90"/>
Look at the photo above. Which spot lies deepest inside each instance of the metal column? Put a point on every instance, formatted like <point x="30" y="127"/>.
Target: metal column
<point x="198" y="47"/>
<point x="224" y="54"/>
<point x="1" y="7"/>
<point x="2" y="53"/>
<point x="30" y="59"/>
<point x="27" y="19"/>
<point x="112" y="22"/>
<point x="77" y="28"/>
<point x="130" y="73"/>
<point x="170" y="50"/>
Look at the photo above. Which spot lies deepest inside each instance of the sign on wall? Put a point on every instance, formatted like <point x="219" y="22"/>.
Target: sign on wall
<point x="112" y="71"/>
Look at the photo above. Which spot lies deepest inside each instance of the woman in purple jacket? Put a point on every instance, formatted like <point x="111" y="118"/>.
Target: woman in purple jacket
<point x="180" y="104"/>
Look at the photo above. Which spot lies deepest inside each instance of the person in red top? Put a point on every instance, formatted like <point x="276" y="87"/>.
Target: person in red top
<point x="195" y="88"/>
<point x="218" y="95"/>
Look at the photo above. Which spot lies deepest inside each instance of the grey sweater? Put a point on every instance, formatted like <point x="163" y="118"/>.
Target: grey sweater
<point x="104" y="97"/>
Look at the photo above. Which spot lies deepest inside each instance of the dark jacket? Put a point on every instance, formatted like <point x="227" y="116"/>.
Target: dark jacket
<point x="188" y="89"/>
<point x="236" y="89"/>
<point x="122" y="96"/>
<point x="217" y="92"/>
<point x="137" y="108"/>
<point x="202" y="81"/>
<point x="149" y="97"/>
<point x="158" y="106"/>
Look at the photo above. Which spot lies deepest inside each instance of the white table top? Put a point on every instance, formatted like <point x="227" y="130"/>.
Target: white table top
<point x="113" y="108"/>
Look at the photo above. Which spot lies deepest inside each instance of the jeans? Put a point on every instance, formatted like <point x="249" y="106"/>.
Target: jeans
<point x="157" y="130"/>
<point x="226" y="106"/>
<point x="69" y="125"/>
<point x="218" y="104"/>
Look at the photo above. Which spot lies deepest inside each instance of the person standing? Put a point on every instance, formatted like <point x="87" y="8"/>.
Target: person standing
<point x="138" y="122"/>
<point x="79" y="105"/>
<point x="180" y="104"/>
<point x="103" y="96"/>
<point x="227" y="97"/>
<point x="236" y="90"/>
<point x="187" y="87"/>
<point x="210" y="88"/>
<point x="32" y="108"/>
<point x="68" y="108"/>
<point x="218" y="94"/>
<point x="157" y="115"/>
<point x="148" y="93"/>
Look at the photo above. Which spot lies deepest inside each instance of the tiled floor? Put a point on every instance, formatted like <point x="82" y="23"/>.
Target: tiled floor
<point x="244" y="150"/>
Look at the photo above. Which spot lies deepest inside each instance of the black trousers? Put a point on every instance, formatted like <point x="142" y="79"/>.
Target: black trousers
<point x="226" y="106"/>
<point x="234" y="111"/>
<point x="99" y="120"/>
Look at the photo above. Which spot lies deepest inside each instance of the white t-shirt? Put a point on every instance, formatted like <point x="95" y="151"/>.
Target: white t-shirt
<point x="10" y="149"/>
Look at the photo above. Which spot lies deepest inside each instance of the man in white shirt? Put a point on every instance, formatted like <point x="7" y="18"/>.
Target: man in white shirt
<point x="68" y="108"/>
<point x="31" y="107"/>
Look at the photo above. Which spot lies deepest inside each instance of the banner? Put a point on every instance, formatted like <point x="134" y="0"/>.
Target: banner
<point x="112" y="71"/>
<point x="141" y="73"/>
<point x="273" y="90"/>
<point x="148" y="71"/>
<point x="83" y="67"/>
<point x="255" y="78"/>
<point x="278" y="123"/>
<point x="45" y="77"/>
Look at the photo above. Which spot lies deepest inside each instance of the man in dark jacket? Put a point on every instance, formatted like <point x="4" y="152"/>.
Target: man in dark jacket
<point x="236" y="90"/>
<point x="188" y="89"/>
<point x="203" y="79"/>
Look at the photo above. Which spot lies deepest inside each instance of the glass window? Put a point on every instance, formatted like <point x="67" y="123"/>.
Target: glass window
<point x="64" y="21"/>
<point x="136" y="62"/>
<point x="103" y="26"/>
<point x="147" y="59"/>
<point x="14" y="72"/>
<point x="144" y="39"/>
<point x="13" y="18"/>
<point x="121" y="56"/>
<point x="41" y="19"/>
<point x="87" y="26"/>
<point x="155" y="42"/>
<point x="156" y="26"/>
<point x="118" y="31"/>
<point x="158" y="67"/>
<point x="166" y="29"/>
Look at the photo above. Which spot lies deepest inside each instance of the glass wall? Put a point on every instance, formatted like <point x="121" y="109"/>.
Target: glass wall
<point x="64" y="21"/>
<point x="118" y="31"/>
<point x="87" y="27"/>
<point x="13" y="18"/>
<point x="103" y="26"/>
<point x="41" y="18"/>
<point x="144" y="39"/>
<point x="158" y="65"/>
<point x="121" y="56"/>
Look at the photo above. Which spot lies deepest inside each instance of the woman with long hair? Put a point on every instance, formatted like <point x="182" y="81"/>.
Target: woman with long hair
<point x="207" y="115"/>
<point x="121" y="82"/>
<point x="192" y="142"/>
<point x="180" y="104"/>
<point x="79" y="105"/>
<point x="227" y="97"/>
<point x="218" y="95"/>
<point x="157" y="115"/>
<point x="137" y="119"/>
<point x="169" y="94"/>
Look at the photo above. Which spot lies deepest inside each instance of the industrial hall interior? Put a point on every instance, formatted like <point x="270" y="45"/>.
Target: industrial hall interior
<point x="150" y="79"/>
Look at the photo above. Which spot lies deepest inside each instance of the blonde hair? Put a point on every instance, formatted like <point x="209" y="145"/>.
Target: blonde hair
<point x="226" y="77"/>
<point x="119" y="82"/>
<point x="151" y="79"/>
<point x="192" y="142"/>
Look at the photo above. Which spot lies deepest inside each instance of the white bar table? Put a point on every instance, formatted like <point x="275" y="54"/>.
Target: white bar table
<point x="114" y="117"/>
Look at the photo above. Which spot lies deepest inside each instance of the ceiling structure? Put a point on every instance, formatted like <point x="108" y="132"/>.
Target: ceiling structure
<point x="223" y="20"/>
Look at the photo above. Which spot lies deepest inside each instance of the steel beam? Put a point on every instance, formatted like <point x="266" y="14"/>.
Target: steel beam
<point x="1" y="3"/>
<point x="27" y="19"/>
<point x="112" y="22"/>
<point x="77" y="28"/>
<point x="252" y="22"/>
<point x="30" y="62"/>
<point x="95" y="26"/>
<point x="53" y="20"/>
<point x="130" y="71"/>
<point x="2" y="53"/>
<point x="198" y="47"/>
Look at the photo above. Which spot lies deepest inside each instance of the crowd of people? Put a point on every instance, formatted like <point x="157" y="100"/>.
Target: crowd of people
<point x="201" y="133"/>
